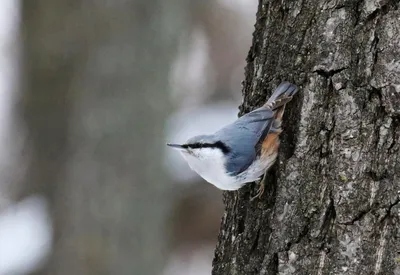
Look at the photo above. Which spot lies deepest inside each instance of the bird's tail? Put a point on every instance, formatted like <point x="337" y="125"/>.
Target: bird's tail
<point x="277" y="102"/>
<point x="282" y="95"/>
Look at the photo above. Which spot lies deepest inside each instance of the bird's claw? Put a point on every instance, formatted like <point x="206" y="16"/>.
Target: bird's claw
<point x="260" y="190"/>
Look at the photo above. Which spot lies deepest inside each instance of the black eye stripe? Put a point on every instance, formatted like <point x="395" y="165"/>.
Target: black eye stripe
<point x="219" y="144"/>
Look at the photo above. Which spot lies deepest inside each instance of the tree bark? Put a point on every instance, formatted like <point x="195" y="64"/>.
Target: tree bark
<point x="332" y="201"/>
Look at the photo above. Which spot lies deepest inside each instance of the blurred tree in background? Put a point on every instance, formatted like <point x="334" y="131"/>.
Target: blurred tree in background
<point x="97" y="84"/>
<point x="96" y="75"/>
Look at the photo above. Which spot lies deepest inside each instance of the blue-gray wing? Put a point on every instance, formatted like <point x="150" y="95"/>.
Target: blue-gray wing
<point x="244" y="137"/>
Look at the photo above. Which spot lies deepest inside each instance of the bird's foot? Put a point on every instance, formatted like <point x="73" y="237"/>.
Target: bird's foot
<point x="260" y="191"/>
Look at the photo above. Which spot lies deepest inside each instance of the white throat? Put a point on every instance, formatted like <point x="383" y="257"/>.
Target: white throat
<point x="209" y="163"/>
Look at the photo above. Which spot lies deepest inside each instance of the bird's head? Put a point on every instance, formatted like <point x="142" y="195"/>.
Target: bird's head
<point x="202" y="147"/>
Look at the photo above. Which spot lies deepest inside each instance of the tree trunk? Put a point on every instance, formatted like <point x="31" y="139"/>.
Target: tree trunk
<point x="332" y="201"/>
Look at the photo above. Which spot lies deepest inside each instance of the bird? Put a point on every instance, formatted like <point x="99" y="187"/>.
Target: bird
<point x="243" y="151"/>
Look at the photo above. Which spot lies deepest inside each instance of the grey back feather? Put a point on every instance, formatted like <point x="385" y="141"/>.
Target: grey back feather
<point x="242" y="137"/>
<point x="245" y="135"/>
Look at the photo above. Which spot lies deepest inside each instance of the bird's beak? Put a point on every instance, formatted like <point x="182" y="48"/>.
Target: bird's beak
<point x="175" y="146"/>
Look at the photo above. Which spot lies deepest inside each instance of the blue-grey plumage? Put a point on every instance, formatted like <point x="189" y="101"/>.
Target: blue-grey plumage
<point x="242" y="151"/>
<point x="247" y="132"/>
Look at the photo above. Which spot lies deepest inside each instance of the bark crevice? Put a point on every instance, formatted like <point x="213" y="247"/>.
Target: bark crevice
<point x="327" y="207"/>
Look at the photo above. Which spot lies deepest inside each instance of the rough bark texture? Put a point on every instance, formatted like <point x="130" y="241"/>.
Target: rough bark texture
<point x="332" y="202"/>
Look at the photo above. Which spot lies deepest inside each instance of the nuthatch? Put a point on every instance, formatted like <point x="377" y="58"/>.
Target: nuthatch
<point x="242" y="151"/>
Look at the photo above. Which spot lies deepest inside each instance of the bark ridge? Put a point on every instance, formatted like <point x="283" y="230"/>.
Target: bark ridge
<point x="332" y="202"/>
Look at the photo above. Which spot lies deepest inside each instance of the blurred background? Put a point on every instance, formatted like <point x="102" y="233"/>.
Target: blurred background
<point x="90" y="92"/>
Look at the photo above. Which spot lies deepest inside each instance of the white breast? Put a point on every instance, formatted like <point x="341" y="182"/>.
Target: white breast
<point x="211" y="167"/>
